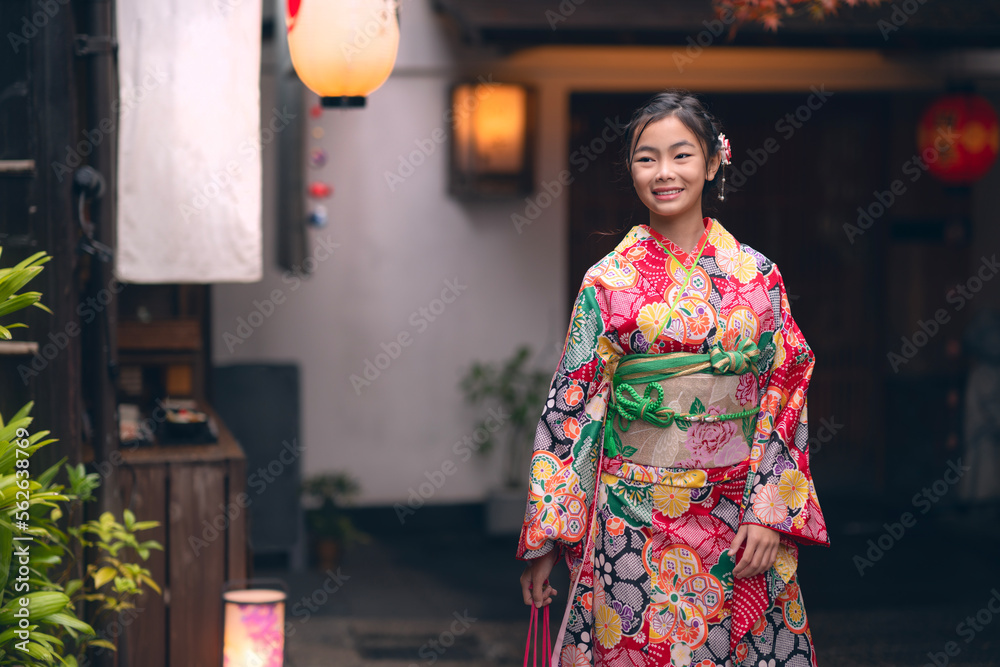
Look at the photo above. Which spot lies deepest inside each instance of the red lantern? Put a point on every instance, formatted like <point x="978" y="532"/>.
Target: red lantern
<point x="958" y="138"/>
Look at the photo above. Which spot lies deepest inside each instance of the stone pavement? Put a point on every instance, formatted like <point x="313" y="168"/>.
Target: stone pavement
<point x="843" y="639"/>
<point x="405" y="643"/>
<point x="450" y="597"/>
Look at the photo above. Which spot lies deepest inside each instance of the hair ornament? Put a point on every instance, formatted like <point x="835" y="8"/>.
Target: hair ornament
<point x="727" y="152"/>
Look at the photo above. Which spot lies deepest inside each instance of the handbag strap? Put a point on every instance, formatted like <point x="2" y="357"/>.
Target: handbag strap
<point x="532" y="642"/>
<point x="546" y="640"/>
<point x="531" y="625"/>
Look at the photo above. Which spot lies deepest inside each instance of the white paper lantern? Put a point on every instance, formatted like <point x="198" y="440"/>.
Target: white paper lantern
<point x="342" y="50"/>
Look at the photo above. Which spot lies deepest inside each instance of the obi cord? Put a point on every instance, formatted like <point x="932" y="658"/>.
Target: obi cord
<point x="626" y="405"/>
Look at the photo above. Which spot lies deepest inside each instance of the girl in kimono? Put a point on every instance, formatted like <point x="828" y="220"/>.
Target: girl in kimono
<point x="670" y="467"/>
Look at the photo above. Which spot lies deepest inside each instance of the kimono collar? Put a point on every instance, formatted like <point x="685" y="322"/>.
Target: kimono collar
<point x="671" y="248"/>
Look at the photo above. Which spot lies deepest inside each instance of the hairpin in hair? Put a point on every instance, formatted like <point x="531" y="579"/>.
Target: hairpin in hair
<point x="727" y="152"/>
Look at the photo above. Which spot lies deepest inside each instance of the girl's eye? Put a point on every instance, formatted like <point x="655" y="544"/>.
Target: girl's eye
<point x="683" y="155"/>
<point x="642" y="158"/>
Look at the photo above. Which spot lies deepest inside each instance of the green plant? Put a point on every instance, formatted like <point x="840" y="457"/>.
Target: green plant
<point x="39" y="625"/>
<point x="13" y="279"/>
<point x="25" y="506"/>
<point x="520" y="392"/>
<point x="324" y="497"/>
<point x="126" y="578"/>
<point x="56" y="634"/>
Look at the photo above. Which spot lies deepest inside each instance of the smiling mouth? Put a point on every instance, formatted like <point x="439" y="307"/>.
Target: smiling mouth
<point x="671" y="191"/>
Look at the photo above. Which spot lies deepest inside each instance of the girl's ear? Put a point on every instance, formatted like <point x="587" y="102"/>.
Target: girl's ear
<point x="714" y="163"/>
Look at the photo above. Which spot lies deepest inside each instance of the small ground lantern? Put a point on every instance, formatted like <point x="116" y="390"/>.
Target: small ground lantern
<point x="254" y="627"/>
<point x="958" y="138"/>
<point x="343" y="50"/>
<point x="491" y="140"/>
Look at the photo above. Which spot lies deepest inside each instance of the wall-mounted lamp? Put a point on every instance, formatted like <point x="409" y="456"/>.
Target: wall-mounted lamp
<point x="343" y="50"/>
<point x="254" y="626"/>
<point x="492" y="140"/>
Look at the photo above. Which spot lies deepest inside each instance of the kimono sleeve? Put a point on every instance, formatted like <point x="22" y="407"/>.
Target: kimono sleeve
<point x="780" y="493"/>
<point x="563" y="464"/>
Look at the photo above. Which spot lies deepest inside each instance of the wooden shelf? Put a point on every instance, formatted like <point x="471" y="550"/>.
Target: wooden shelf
<point x="195" y="491"/>
<point x="225" y="449"/>
<point x="160" y="335"/>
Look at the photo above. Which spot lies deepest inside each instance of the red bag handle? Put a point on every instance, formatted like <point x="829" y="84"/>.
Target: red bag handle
<point x="533" y="638"/>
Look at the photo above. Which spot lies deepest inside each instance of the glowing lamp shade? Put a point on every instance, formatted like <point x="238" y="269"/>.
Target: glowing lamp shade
<point x="254" y="631"/>
<point x="492" y="135"/>
<point x="342" y="50"/>
<point x="489" y="127"/>
<point x="958" y="137"/>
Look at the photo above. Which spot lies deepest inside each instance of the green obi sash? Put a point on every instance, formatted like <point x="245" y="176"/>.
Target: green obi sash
<point x="626" y="404"/>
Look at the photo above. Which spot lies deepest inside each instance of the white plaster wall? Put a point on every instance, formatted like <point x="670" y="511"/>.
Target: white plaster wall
<point x="397" y="248"/>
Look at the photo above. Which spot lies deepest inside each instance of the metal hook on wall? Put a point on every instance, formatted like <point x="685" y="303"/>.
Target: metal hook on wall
<point x="89" y="184"/>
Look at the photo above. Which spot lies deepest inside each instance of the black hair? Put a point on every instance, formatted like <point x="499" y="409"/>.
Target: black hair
<point x="691" y="111"/>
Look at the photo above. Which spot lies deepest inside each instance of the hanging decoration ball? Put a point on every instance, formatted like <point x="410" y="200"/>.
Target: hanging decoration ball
<point x="317" y="157"/>
<point x="317" y="218"/>
<point x="958" y="138"/>
<point x="320" y="190"/>
<point x="343" y="50"/>
<point x="316" y="110"/>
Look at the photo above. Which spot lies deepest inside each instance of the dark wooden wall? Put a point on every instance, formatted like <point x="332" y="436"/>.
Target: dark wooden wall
<point x="39" y="121"/>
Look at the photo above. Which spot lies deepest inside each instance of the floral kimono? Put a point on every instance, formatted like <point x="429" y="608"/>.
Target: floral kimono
<point x="647" y="545"/>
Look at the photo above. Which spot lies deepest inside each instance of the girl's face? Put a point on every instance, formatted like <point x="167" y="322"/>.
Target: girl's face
<point x="669" y="169"/>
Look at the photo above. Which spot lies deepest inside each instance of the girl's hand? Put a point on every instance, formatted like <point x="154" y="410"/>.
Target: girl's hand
<point x="761" y="549"/>
<point x="535" y="579"/>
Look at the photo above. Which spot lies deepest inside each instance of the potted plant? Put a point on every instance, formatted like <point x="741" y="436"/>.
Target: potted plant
<point x="519" y="392"/>
<point x="330" y="528"/>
